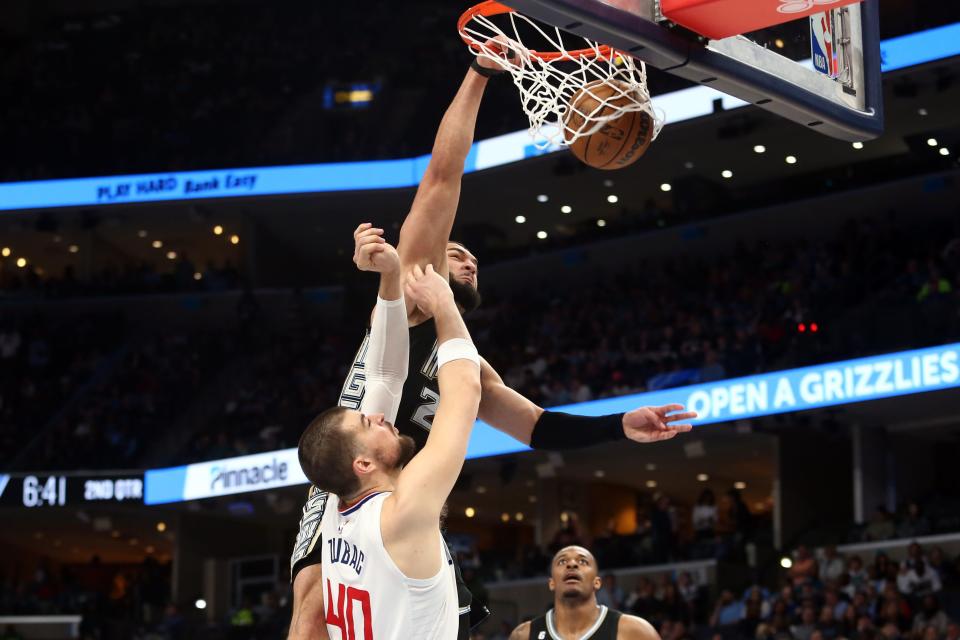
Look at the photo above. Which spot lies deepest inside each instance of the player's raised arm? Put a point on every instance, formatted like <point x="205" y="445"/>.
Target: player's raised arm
<point x="388" y="352"/>
<point x="426" y="230"/>
<point x="412" y="525"/>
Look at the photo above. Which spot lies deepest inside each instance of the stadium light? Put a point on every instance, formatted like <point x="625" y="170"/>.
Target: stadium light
<point x="858" y="145"/>
<point x="543" y="198"/>
<point x="218" y="230"/>
<point x="21" y="262"/>
<point x="666" y="186"/>
<point x="932" y="142"/>
<point x="727" y="174"/>
<point x="542" y="235"/>
<point x="759" y="149"/>
<point x="470" y="512"/>
<point x="5" y="252"/>
<point x="200" y="604"/>
<point x="234" y="239"/>
<point x="601" y="222"/>
<point x="612" y="199"/>
<point x="786" y="562"/>
<point x="566" y="209"/>
<point x="520" y="219"/>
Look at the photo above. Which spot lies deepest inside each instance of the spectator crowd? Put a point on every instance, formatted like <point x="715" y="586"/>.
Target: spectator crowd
<point x="652" y="325"/>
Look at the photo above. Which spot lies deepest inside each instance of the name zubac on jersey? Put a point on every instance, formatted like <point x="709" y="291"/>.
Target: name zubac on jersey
<point x="342" y="552"/>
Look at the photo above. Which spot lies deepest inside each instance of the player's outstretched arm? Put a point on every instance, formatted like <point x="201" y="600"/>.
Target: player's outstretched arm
<point x="426" y="230"/>
<point x="522" y="632"/>
<point x="410" y="520"/>
<point x="517" y="416"/>
<point x="388" y="351"/>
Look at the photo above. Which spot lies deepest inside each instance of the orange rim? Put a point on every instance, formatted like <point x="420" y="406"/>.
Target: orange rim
<point x="493" y="8"/>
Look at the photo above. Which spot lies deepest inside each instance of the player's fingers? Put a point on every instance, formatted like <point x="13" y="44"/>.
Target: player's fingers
<point x="679" y="428"/>
<point x="429" y="270"/>
<point x="365" y="240"/>
<point x="361" y="228"/>
<point x="369" y="233"/>
<point x="689" y="415"/>
<point x="417" y="272"/>
<point x="667" y="408"/>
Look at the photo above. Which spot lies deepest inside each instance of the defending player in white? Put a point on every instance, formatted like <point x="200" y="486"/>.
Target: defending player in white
<point x="386" y="571"/>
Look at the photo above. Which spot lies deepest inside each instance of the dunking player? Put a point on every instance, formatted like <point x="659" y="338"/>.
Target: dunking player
<point x="424" y="239"/>
<point x="576" y="615"/>
<point x="387" y="573"/>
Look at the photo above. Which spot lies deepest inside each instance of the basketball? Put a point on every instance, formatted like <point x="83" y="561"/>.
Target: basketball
<point x="621" y="141"/>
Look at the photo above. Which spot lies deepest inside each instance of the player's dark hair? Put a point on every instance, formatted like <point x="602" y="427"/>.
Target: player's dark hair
<point x="326" y="454"/>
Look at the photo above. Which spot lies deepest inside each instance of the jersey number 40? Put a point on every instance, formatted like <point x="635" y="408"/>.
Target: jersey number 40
<point x="340" y="611"/>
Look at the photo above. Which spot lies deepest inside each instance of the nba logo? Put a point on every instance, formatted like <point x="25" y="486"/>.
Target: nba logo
<point x="823" y="44"/>
<point x="541" y="635"/>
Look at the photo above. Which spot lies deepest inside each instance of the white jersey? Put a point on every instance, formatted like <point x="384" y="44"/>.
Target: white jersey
<point x="366" y="596"/>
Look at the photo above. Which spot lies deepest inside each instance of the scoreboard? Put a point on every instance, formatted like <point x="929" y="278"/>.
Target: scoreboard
<point x="69" y="490"/>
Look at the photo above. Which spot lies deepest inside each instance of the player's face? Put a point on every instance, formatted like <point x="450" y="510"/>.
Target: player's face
<point x="462" y="267"/>
<point x="382" y="441"/>
<point x="574" y="574"/>
<point x="462" y="264"/>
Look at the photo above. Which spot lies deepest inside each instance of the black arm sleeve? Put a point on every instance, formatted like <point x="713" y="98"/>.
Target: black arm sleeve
<point x="556" y="431"/>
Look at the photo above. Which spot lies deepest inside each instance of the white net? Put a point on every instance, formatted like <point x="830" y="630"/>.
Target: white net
<point x="553" y="85"/>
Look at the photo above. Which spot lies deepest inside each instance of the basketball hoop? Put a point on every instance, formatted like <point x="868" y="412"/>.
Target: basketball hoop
<point x="549" y="76"/>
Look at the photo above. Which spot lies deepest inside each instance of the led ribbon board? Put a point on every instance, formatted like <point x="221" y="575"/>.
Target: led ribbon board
<point x="827" y="385"/>
<point x="897" y="53"/>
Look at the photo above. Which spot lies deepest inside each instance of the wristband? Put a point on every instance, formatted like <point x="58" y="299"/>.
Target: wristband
<point x="483" y="71"/>
<point x="457" y="349"/>
<point x="556" y="431"/>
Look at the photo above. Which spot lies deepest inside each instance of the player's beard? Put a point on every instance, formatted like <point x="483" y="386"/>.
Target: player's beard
<point x="400" y="457"/>
<point x="465" y="295"/>
<point x="408" y="448"/>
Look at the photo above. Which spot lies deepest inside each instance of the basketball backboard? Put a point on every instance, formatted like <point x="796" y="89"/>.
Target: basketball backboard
<point x="843" y="99"/>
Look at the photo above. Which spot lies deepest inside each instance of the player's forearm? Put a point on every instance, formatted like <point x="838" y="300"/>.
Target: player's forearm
<point x="388" y="355"/>
<point x="450" y="323"/>
<point x="449" y="437"/>
<point x="456" y="132"/>
<point x="390" y="287"/>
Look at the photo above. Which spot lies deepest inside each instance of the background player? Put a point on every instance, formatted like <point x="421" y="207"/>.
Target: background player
<point x="424" y="239"/>
<point x="576" y="615"/>
<point x="383" y="553"/>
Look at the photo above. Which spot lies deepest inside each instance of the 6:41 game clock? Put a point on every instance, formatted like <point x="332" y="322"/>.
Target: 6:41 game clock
<point x="37" y="490"/>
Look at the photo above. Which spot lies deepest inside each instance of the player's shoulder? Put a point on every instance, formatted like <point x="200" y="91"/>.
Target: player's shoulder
<point x="635" y="628"/>
<point x="522" y="632"/>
